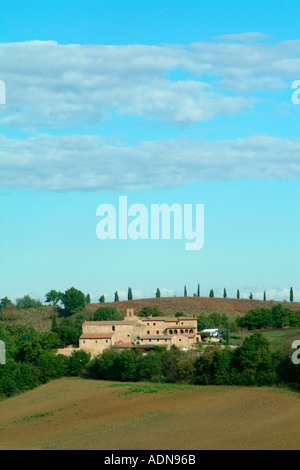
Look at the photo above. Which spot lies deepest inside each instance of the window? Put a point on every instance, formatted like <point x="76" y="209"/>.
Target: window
<point x="157" y="332"/>
<point x="148" y="332"/>
<point x="181" y="331"/>
<point x="113" y="328"/>
<point x="154" y="324"/>
<point x="107" y="340"/>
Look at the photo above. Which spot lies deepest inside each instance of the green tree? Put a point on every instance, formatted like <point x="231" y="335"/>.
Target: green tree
<point x="185" y="291"/>
<point x="116" y="296"/>
<point x="291" y="295"/>
<point x="251" y="296"/>
<point x="225" y="293"/>
<point x="150" y="311"/>
<point x="238" y="294"/>
<point x="28" y="302"/>
<point x="179" y="314"/>
<point x="157" y="292"/>
<point x="67" y="333"/>
<point x="170" y="362"/>
<point x="5" y="302"/>
<point x="227" y="337"/>
<point x="54" y="297"/>
<point x="130" y="297"/>
<point x="211" y="293"/>
<point x="253" y="362"/>
<point x="73" y="301"/>
<point x="265" y="296"/>
<point x="87" y="299"/>
<point x="78" y="360"/>
<point x="129" y="364"/>
<point x="106" y="366"/>
<point x="150" y="366"/>
<point x="198" y="290"/>
<point x="102" y="299"/>
<point x="107" y="313"/>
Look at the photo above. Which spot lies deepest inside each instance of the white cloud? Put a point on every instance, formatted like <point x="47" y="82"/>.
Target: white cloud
<point x="166" y="292"/>
<point x="52" y="85"/>
<point x="88" y="163"/>
<point x="244" y="37"/>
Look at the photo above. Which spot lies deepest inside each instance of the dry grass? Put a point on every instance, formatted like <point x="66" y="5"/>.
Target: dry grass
<point x="40" y="318"/>
<point x="194" y="305"/>
<point x="73" y="413"/>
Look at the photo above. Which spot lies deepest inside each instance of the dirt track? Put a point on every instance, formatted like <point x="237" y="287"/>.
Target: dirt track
<point x="72" y="413"/>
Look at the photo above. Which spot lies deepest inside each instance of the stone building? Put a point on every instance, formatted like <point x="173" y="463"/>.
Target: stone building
<point x="139" y="332"/>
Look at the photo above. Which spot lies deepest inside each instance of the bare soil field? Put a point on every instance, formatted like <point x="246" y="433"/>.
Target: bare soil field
<point x="80" y="414"/>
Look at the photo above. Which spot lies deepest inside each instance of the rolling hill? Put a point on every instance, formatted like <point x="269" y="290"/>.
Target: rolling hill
<point x="40" y="318"/>
<point x="191" y="306"/>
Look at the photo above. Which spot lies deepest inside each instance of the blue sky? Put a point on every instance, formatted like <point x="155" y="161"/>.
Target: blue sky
<point x="164" y="102"/>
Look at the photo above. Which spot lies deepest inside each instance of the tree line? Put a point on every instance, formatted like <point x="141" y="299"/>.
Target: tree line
<point x="32" y="361"/>
<point x="250" y="364"/>
<point x="74" y="300"/>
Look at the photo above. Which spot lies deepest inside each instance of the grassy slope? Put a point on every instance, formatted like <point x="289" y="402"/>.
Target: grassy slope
<point x="40" y="318"/>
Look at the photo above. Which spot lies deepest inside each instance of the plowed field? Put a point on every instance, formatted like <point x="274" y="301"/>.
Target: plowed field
<point x="73" y="413"/>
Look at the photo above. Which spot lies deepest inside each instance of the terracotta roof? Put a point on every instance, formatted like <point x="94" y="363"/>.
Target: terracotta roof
<point x="95" y="335"/>
<point x="168" y="319"/>
<point x="111" y="322"/>
<point x="123" y="345"/>
<point x="169" y="337"/>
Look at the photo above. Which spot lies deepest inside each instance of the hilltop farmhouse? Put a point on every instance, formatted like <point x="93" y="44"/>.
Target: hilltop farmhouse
<point x="138" y="332"/>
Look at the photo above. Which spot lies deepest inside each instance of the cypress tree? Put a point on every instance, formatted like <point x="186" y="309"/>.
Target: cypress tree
<point x="291" y="295"/>
<point x="185" y="291"/>
<point x="211" y="293"/>
<point x="129" y="293"/>
<point x="116" y="296"/>
<point x="251" y="296"/>
<point x="225" y="293"/>
<point x="238" y="294"/>
<point x="265" y="296"/>
<point x="157" y="292"/>
<point x="198" y="291"/>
